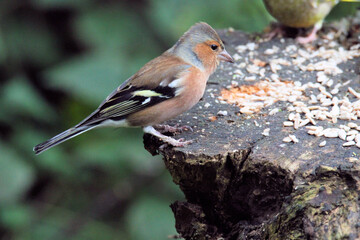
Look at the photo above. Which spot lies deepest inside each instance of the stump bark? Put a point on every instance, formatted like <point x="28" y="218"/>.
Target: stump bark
<point x="240" y="184"/>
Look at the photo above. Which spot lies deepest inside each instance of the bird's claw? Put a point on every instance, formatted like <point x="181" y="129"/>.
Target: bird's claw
<point x="305" y="40"/>
<point x="175" y="143"/>
<point x="182" y="142"/>
<point x="309" y="38"/>
<point x="185" y="128"/>
<point x="175" y="129"/>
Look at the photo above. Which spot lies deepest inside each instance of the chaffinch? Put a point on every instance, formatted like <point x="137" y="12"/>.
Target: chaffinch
<point x="162" y="89"/>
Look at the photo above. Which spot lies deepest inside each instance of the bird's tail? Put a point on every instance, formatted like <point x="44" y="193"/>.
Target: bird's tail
<point x="62" y="137"/>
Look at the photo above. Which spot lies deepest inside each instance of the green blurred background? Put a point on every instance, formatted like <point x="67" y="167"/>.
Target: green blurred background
<point x="58" y="60"/>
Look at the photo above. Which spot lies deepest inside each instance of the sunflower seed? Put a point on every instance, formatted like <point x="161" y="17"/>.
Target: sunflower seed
<point x="349" y="143"/>
<point x="352" y="125"/>
<point x="331" y="132"/>
<point x="266" y="132"/>
<point x="293" y="138"/>
<point x="342" y="134"/>
<point x="322" y="144"/>
<point x="353" y="92"/>
<point x="287" y="139"/>
<point x="288" y="124"/>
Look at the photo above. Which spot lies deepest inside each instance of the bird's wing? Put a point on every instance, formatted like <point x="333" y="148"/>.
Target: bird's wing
<point x="149" y="86"/>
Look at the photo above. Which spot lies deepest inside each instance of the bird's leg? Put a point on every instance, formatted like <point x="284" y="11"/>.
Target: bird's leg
<point x="276" y="31"/>
<point x="312" y="36"/>
<point x="176" y="143"/>
<point x="175" y="129"/>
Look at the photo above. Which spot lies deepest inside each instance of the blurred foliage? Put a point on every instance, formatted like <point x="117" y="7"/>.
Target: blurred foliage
<point x="58" y="60"/>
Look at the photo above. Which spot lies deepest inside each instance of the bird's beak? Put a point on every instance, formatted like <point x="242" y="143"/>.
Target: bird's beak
<point x="225" y="56"/>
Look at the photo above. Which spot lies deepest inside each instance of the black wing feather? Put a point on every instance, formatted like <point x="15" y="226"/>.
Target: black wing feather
<point x="123" y="103"/>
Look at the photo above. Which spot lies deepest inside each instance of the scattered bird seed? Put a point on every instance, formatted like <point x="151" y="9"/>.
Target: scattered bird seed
<point x="331" y="132"/>
<point x="348" y="144"/>
<point x="357" y="138"/>
<point x="322" y="144"/>
<point x="355" y="93"/>
<point x="350" y="138"/>
<point x="352" y="125"/>
<point x="352" y="132"/>
<point x="222" y="113"/>
<point x="293" y="138"/>
<point x="309" y="102"/>
<point x="274" y="111"/>
<point x="288" y="124"/>
<point x="287" y="139"/>
<point x="250" y="78"/>
<point x="266" y="132"/>
<point x="342" y="134"/>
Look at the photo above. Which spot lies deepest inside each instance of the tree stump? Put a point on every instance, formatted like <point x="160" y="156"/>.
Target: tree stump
<point x="242" y="178"/>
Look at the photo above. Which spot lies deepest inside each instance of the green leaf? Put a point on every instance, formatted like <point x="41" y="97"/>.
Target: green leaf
<point x="175" y="17"/>
<point x="117" y="150"/>
<point x="20" y="98"/>
<point x="115" y="30"/>
<point x="343" y="9"/>
<point x="54" y="160"/>
<point x="95" y="230"/>
<point x="90" y="77"/>
<point x="49" y="224"/>
<point x="28" y="39"/>
<point x="104" y="28"/>
<point x="150" y="218"/>
<point x="16" y="216"/>
<point x="16" y="176"/>
<point x="118" y="33"/>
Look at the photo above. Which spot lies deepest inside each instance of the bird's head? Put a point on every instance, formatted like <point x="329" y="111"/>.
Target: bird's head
<point x="202" y="47"/>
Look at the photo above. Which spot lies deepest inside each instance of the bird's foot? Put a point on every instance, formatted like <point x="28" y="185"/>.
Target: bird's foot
<point x="176" y="143"/>
<point x="168" y="140"/>
<point x="276" y="31"/>
<point x="305" y="40"/>
<point x="311" y="37"/>
<point x="172" y="129"/>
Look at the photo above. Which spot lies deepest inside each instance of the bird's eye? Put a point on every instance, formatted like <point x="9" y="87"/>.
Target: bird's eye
<point x="213" y="47"/>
